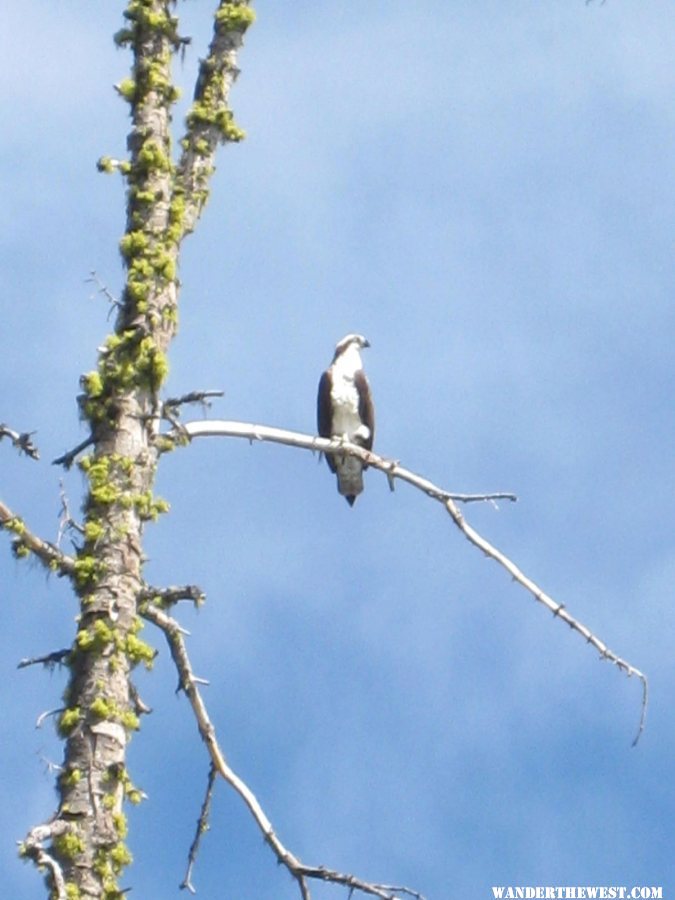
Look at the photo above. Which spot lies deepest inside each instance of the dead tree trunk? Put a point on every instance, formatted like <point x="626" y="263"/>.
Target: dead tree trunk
<point x="87" y="852"/>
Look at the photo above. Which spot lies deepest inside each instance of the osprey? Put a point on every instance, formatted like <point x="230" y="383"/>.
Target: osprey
<point x="345" y="410"/>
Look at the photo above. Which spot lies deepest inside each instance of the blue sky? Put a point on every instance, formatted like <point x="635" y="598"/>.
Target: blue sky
<point x="485" y="190"/>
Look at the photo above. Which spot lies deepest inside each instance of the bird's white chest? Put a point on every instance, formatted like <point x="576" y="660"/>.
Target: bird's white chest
<point x="345" y="400"/>
<point x="345" y="397"/>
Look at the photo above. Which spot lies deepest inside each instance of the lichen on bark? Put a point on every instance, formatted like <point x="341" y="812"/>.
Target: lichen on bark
<point x="119" y="402"/>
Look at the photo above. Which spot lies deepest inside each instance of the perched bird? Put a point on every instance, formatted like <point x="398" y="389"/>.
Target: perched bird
<point x="345" y="410"/>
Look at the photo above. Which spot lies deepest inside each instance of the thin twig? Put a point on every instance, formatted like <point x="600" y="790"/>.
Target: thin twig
<point x="50" y="660"/>
<point x="189" y="684"/>
<point x="22" y="440"/>
<point x="392" y="469"/>
<point x="66" y="521"/>
<point x="69" y="458"/>
<point x="558" y="609"/>
<point x="202" y="828"/>
<point x="104" y="289"/>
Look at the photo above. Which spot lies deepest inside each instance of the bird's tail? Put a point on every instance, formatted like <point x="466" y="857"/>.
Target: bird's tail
<point x="350" y="478"/>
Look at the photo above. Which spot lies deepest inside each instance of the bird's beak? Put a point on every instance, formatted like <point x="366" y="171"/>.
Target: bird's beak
<point x="366" y="343"/>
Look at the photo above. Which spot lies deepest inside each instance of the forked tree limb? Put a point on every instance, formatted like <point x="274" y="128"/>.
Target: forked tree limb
<point x="22" y="440"/>
<point x="33" y="848"/>
<point x="189" y="683"/>
<point x="393" y="470"/>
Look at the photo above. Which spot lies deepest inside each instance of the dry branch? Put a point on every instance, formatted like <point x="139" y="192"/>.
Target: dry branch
<point x="33" y="848"/>
<point x="393" y="470"/>
<point x="49" y="660"/>
<point x="69" y="458"/>
<point x="300" y="872"/>
<point x="202" y="827"/>
<point x="169" y="596"/>
<point x="22" y="440"/>
<point x="26" y="541"/>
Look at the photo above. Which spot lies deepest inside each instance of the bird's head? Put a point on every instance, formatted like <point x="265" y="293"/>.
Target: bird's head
<point x="358" y="341"/>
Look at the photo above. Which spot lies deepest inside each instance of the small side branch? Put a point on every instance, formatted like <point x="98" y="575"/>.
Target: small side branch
<point x="203" y="397"/>
<point x="22" y="440"/>
<point x="169" y="596"/>
<point x="202" y="828"/>
<point x="300" y="872"/>
<point x="171" y="408"/>
<point x="33" y="848"/>
<point x="393" y="470"/>
<point x="209" y="119"/>
<point x="69" y="458"/>
<point x="25" y="542"/>
<point x="50" y="660"/>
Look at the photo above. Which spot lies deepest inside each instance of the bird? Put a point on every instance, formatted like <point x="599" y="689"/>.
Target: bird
<point x="345" y="410"/>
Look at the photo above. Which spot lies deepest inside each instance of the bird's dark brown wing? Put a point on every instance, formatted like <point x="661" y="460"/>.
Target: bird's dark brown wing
<point x="366" y="409"/>
<point x="324" y="416"/>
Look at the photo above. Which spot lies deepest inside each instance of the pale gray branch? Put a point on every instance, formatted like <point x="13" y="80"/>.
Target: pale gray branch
<point x="25" y="541"/>
<point x="33" y="848"/>
<point x="22" y="440"/>
<point x="393" y="470"/>
<point x="299" y="871"/>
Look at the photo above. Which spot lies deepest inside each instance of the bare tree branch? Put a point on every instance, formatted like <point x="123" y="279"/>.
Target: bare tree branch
<point x="393" y="470"/>
<point x="189" y="684"/>
<point x="202" y="828"/>
<point x="22" y="440"/>
<point x="26" y="542"/>
<point x="209" y="120"/>
<point x="169" y="596"/>
<point x="202" y="397"/>
<point x="50" y="660"/>
<point x="69" y="458"/>
<point x="33" y="848"/>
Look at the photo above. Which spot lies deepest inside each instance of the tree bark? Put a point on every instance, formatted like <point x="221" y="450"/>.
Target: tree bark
<point x="120" y="403"/>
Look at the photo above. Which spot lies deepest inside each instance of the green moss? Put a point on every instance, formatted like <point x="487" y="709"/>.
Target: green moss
<point x="127" y="89"/>
<point x="134" y="796"/>
<point x="130" y="720"/>
<point x="96" y="637"/>
<point x="103" y="708"/>
<point x="70" y="845"/>
<point x="151" y="157"/>
<point x="145" y="197"/>
<point x="15" y="525"/>
<point x="139" y="651"/>
<point x="120" y="823"/>
<point x="20" y="550"/>
<point x="69" y="720"/>
<point x="92" y="384"/>
<point x="70" y="777"/>
<point x="120" y="856"/>
<point x="133" y="243"/>
<point x="105" y="164"/>
<point x="94" y="530"/>
<point x="228" y="128"/>
<point x="87" y="570"/>
<point x="72" y="891"/>
<point x="235" y="17"/>
<point x="149" y="507"/>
